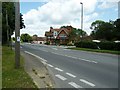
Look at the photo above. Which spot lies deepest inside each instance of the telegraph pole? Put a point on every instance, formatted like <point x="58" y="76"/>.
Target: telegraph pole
<point x="17" y="35"/>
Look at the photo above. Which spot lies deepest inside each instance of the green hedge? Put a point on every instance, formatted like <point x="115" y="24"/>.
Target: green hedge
<point x="106" y="45"/>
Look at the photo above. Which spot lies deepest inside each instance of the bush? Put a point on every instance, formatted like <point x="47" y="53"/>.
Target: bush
<point x="47" y="43"/>
<point x="86" y="44"/>
<point x="106" y="45"/>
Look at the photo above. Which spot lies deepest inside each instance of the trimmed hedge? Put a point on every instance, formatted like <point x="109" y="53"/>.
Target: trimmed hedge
<point x="106" y="45"/>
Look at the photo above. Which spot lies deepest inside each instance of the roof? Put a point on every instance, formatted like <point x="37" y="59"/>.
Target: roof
<point x="52" y="30"/>
<point x="40" y="38"/>
<point x="48" y="34"/>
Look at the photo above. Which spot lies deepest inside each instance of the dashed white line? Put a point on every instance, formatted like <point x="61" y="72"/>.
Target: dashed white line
<point x="59" y="69"/>
<point x="89" y="83"/>
<point x="55" y="48"/>
<point x="75" y="85"/>
<point x="71" y="75"/>
<point x="50" y="65"/>
<point x="61" y="77"/>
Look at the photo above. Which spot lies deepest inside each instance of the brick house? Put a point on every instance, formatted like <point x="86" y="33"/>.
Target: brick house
<point x="58" y="36"/>
<point x="39" y="40"/>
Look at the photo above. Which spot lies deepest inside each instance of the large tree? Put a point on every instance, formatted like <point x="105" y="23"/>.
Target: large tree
<point x="102" y="30"/>
<point x="117" y="29"/>
<point x="8" y="21"/>
<point x="26" y="38"/>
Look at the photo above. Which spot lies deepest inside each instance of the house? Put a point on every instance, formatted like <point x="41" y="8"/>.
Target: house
<point x="58" y="36"/>
<point x="39" y="40"/>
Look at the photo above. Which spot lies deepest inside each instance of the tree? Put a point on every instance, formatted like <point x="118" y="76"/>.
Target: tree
<point x="34" y="38"/>
<point x="116" y="31"/>
<point x="102" y="30"/>
<point x="26" y="38"/>
<point x="8" y="21"/>
<point x="75" y="34"/>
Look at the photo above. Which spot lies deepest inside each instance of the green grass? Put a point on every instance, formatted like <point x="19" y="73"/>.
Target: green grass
<point x="11" y="77"/>
<point x="97" y="50"/>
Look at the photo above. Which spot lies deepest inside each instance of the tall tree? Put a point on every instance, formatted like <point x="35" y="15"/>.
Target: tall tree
<point x="26" y="38"/>
<point x="8" y="21"/>
<point x="117" y="29"/>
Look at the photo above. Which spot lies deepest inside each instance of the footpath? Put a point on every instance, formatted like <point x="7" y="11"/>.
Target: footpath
<point x="38" y="72"/>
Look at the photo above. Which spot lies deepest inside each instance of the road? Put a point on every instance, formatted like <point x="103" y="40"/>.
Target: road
<point x="77" y="69"/>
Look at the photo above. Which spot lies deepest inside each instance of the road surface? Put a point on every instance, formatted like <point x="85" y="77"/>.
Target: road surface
<point x="77" y="69"/>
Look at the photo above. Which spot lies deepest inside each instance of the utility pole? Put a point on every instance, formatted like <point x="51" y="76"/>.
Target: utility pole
<point x="17" y="35"/>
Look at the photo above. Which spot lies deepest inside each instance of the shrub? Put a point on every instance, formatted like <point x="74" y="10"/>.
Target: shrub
<point x="86" y="44"/>
<point x="106" y="45"/>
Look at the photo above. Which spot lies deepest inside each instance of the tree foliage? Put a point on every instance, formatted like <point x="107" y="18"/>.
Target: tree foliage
<point x="106" y="30"/>
<point x="26" y="38"/>
<point x="8" y="21"/>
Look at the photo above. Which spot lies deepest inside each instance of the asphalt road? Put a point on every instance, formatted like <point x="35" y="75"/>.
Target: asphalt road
<point x="77" y="69"/>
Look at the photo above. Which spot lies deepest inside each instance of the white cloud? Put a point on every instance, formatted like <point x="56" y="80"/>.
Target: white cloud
<point x="108" y="4"/>
<point x="56" y="13"/>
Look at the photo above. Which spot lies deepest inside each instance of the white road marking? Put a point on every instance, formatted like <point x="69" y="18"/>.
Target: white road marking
<point x="87" y="60"/>
<point x="50" y="65"/>
<point x="89" y="83"/>
<point x="75" y="85"/>
<point x="59" y="69"/>
<point x="61" y="77"/>
<point x="71" y="75"/>
<point x="55" y="48"/>
<point x="36" y="56"/>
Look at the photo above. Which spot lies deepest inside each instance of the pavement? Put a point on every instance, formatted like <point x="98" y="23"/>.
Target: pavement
<point x="76" y="69"/>
<point x="37" y="70"/>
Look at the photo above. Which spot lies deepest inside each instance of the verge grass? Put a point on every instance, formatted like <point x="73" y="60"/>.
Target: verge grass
<point x="11" y="77"/>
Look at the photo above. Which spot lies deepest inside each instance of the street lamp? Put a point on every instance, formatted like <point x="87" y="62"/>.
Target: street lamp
<point x="81" y="15"/>
<point x="81" y="20"/>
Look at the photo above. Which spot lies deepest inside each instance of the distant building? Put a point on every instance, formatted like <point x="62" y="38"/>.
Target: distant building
<point x="39" y="40"/>
<point x="119" y="9"/>
<point x="58" y="36"/>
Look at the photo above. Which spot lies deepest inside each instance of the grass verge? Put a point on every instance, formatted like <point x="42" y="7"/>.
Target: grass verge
<point x="11" y="77"/>
<point x="97" y="50"/>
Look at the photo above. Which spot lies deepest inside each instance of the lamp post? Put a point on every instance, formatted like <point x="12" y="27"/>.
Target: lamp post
<point x="81" y="36"/>
<point x="81" y="15"/>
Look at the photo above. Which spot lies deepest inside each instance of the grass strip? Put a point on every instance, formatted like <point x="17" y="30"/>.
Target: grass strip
<point x="11" y="77"/>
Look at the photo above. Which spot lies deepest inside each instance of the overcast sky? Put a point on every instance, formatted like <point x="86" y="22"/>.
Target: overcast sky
<point x="41" y="15"/>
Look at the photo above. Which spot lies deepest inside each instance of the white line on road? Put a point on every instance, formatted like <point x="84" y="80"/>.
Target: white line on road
<point x="50" y="65"/>
<point x="36" y="56"/>
<point x="71" y="75"/>
<point x="89" y="83"/>
<point x="59" y="69"/>
<point x="55" y="48"/>
<point x="61" y="77"/>
<point x="87" y="60"/>
<point x="75" y="85"/>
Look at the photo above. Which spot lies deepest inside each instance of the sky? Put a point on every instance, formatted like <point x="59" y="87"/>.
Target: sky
<point x="39" y="16"/>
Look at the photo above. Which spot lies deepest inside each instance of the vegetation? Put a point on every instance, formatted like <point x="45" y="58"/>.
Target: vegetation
<point x="106" y="30"/>
<point x="106" y="45"/>
<point x="11" y="77"/>
<point x="26" y="38"/>
<point x="8" y="21"/>
<point x="97" y="50"/>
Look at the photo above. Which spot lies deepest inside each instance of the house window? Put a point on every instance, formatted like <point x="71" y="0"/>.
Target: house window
<point x="62" y="35"/>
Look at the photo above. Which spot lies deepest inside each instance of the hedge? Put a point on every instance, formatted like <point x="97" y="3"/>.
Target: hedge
<point x="106" y="45"/>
